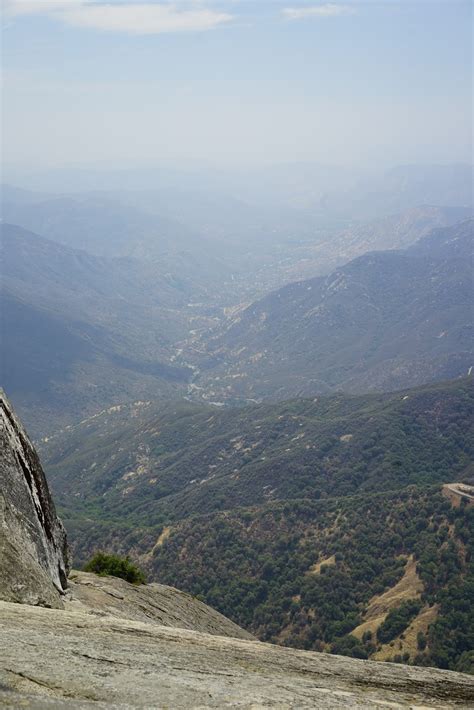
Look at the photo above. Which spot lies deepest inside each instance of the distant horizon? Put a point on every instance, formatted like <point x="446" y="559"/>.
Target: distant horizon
<point x="235" y="84"/>
<point x="31" y="179"/>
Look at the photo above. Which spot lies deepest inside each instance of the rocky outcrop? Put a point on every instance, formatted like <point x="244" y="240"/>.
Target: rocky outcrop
<point x="33" y="548"/>
<point x="66" y="659"/>
<point x="151" y="603"/>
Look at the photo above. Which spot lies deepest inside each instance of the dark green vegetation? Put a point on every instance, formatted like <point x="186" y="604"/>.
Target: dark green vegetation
<point x="237" y="506"/>
<point x="384" y="321"/>
<point x="112" y="565"/>
<point x="162" y="462"/>
<point x="256" y="565"/>
<point x="397" y="621"/>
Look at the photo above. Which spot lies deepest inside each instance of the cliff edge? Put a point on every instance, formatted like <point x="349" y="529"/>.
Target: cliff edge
<point x="33" y="547"/>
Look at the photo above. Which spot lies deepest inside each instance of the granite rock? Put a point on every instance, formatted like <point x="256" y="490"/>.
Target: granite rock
<point x="33" y="548"/>
<point x="67" y="659"/>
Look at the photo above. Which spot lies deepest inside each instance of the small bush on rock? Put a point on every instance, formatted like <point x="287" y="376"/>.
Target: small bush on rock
<point x="115" y="566"/>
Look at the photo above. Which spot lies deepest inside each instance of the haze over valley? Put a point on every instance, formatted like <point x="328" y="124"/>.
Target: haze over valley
<point x="236" y="321"/>
<point x="139" y="303"/>
<point x="185" y="383"/>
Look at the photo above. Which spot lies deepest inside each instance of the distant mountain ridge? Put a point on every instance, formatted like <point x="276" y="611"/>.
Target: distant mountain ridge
<point x="97" y="224"/>
<point x="79" y="331"/>
<point x="395" y="231"/>
<point x="233" y="235"/>
<point x="153" y="304"/>
<point x="321" y="187"/>
<point x="383" y="321"/>
<point x="404" y="187"/>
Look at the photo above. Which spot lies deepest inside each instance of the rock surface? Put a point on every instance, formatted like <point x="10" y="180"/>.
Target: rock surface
<point x="152" y="603"/>
<point x="66" y="659"/>
<point x="33" y="548"/>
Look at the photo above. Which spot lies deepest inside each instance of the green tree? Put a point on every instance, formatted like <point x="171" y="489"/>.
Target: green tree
<point x="104" y="565"/>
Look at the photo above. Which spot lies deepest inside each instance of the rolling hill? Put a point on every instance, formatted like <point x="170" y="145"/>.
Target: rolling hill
<point x="174" y="459"/>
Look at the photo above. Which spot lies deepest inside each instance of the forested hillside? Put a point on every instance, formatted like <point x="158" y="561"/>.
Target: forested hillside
<point x="311" y="575"/>
<point x="76" y="330"/>
<point x="297" y="520"/>
<point x="172" y="460"/>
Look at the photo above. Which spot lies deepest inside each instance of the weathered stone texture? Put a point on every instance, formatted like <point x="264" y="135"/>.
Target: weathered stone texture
<point x="33" y="548"/>
<point x="152" y="603"/>
<point x="76" y="656"/>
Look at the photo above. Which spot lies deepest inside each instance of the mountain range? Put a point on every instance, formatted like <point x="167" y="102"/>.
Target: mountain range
<point x="331" y="508"/>
<point x="326" y="190"/>
<point x="76" y="329"/>
<point x="383" y="321"/>
<point x="237" y="237"/>
<point x="124" y="327"/>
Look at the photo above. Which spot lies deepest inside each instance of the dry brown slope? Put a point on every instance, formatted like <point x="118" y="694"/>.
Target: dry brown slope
<point x="408" y="587"/>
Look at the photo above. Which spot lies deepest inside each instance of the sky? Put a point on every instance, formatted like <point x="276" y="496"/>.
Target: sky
<point x="235" y="83"/>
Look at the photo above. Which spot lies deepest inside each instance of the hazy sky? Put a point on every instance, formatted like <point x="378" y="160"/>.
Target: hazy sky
<point x="235" y="81"/>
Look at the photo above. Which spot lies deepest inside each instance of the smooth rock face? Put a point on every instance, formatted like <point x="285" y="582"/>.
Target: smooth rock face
<point x="33" y="547"/>
<point x="151" y="603"/>
<point x="67" y="659"/>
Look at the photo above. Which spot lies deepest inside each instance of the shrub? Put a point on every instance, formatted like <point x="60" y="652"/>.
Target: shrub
<point x="104" y="565"/>
<point x="397" y="620"/>
<point x="465" y="663"/>
<point x="421" y="641"/>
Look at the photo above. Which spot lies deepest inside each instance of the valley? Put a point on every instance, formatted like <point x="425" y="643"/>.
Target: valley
<point x="385" y="320"/>
<point x="236" y="355"/>
<point x="141" y="306"/>
<point x="269" y="409"/>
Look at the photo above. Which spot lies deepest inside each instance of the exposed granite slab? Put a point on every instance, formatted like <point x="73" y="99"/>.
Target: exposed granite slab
<point x="156" y="603"/>
<point x="74" y="657"/>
